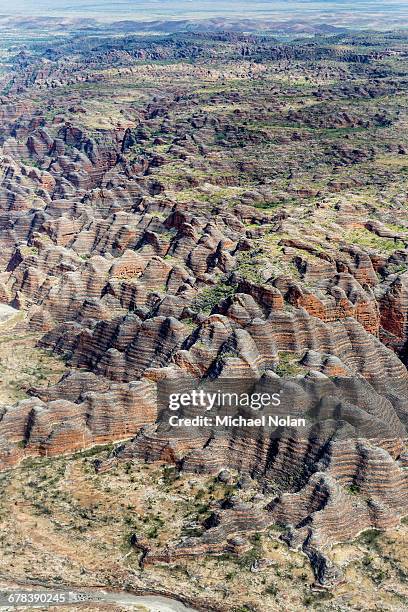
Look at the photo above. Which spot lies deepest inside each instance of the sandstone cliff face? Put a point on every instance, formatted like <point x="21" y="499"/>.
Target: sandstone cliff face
<point x="156" y="247"/>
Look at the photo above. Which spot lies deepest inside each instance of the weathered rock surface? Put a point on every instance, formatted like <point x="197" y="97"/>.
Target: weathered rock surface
<point x="216" y="237"/>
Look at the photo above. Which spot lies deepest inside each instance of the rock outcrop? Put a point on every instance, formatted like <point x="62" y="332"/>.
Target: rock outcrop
<point x="222" y="233"/>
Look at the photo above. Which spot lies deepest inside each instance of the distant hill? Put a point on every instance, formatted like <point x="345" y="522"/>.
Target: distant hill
<point x="215" y="24"/>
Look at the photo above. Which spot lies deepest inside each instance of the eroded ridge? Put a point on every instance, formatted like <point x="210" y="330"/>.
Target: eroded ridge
<point x="239" y="215"/>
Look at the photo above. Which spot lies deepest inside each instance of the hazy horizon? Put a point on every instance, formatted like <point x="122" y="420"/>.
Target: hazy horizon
<point x="391" y="10"/>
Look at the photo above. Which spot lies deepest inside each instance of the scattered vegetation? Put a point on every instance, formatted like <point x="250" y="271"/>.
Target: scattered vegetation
<point x="210" y="298"/>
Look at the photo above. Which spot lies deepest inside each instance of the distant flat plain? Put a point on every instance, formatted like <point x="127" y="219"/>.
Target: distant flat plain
<point x="342" y="12"/>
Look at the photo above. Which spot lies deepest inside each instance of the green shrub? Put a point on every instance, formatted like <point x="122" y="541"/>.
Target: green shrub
<point x="212" y="296"/>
